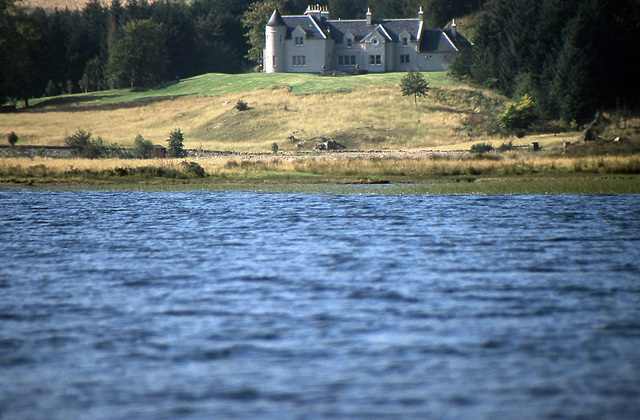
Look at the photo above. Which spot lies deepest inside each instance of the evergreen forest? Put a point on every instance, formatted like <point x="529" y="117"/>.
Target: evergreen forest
<point x="570" y="57"/>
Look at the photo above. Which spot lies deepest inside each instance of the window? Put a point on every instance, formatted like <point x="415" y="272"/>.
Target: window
<point x="299" y="60"/>
<point x="405" y="42"/>
<point x="346" y="60"/>
<point x="404" y="59"/>
<point x="375" y="60"/>
<point x="299" y="41"/>
<point x="274" y="61"/>
<point x="375" y="41"/>
<point x="349" y="42"/>
<point x="281" y="39"/>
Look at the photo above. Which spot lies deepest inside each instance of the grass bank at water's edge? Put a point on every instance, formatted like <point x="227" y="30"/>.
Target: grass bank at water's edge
<point x="510" y="175"/>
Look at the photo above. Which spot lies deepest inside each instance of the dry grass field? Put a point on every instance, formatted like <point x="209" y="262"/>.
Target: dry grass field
<point x="60" y="4"/>
<point x="372" y="115"/>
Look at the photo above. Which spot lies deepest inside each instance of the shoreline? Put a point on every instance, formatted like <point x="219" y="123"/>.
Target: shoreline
<point x="429" y="171"/>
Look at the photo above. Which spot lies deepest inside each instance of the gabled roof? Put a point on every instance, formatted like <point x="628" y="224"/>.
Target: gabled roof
<point x="390" y="29"/>
<point x="431" y="40"/>
<point x="313" y="28"/>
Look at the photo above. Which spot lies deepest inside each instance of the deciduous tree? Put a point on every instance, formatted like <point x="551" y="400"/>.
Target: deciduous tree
<point x="140" y="56"/>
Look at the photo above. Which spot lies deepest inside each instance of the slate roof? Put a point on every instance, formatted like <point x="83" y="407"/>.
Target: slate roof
<point x="392" y="29"/>
<point x="276" y="19"/>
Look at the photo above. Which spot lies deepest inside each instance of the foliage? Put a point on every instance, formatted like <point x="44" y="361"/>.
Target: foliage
<point x="481" y="148"/>
<point x="92" y="77"/>
<point x="139" y="57"/>
<point x="85" y="145"/>
<point x="193" y="168"/>
<point x="142" y="147"/>
<point x="241" y="105"/>
<point x="12" y="138"/>
<point x="176" y="144"/>
<point x="460" y="67"/>
<point x="18" y="39"/>
<point x="414" y="83"/>
<point x="518" y="118"/>
<point x="254" y="21"/>
<point x="274" y="147"/>
<point x="571" y="56"/>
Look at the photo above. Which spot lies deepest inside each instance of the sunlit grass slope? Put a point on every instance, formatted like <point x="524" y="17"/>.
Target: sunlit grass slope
<point x="59" y="4"/>
<point x="359" y="112"/>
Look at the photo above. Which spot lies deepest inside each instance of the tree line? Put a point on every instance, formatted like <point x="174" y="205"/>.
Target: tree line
<point x="49" y="52"/>
<point x="569" y="57"/>
<point x="130" y="43"/>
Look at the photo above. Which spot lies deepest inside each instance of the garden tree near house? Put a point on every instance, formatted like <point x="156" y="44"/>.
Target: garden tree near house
<point x="140" y="56"/>
<point x="413" y="83"/>
<point x="176" y="144"/>
<point x="254" y="20"/>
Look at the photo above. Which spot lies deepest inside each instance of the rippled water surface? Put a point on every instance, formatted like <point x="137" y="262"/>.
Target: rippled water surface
<point x="244" y="305"/>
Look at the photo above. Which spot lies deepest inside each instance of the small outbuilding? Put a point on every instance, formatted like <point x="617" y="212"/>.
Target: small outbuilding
<point x="158" y="151"/>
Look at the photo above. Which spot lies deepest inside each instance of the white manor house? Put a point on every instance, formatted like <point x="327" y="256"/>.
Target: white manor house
<point x="312" y="43"/>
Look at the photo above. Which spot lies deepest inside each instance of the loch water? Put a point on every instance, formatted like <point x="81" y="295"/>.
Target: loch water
<point x="204" y="304"/>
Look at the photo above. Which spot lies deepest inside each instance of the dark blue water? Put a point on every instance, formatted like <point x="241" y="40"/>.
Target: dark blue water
<point x="245" y="305"/>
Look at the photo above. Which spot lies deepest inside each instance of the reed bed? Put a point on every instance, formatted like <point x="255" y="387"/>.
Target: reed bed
<point x="507" y="164"/>
<point x="343" y="165"/>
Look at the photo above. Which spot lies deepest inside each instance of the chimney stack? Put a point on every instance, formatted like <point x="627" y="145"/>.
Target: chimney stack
<point x="368" y="17"/>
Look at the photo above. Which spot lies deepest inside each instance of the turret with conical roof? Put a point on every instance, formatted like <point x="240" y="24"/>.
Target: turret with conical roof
<point x="274" y="51"/>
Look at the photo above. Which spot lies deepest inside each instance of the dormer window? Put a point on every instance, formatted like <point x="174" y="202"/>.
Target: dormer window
<point x="405" y="42"/>
<point x="349" y="42"/>
<point x="299" y="41"/>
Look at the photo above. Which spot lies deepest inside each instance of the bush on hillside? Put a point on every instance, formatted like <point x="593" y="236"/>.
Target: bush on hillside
<point x="176" y="144"/>
<point x="12" y="138"/>
<point x="85" y="145"/>
<point x="142" y="147"/>
<point x="518" y="118"/>
<point x="481" y="148"/>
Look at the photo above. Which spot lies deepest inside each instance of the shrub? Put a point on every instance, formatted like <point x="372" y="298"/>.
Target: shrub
<point x="12" y="138"/>
<point x="85" y="145"/>
<point x="142" y="147"/>
<point x="274" y="147"/>
<point x="176" y="144"/>
<point x="518" y="118"/>
<point x="481" y="148"/>
<point x="241" y="105"/>
<point x="193" y="168"/>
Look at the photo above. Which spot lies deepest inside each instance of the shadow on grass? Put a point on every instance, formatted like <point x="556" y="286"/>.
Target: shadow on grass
<point x="94" y="102"/>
